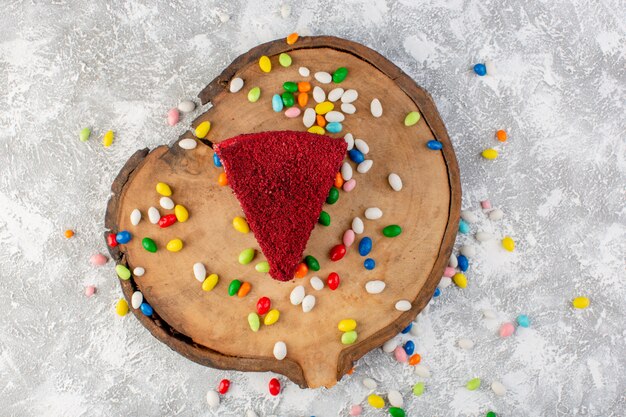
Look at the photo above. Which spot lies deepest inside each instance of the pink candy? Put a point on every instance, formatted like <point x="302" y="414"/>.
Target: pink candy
<point x="98" y="259"/>
<point x="90" y="290"/>
<point x="292" y="112"/>
<point x="349" y="185"/>
<point x="506" y="330"/>
<point x="348" y="237"/>
<point x="172" y="117"/>
<point x="400" y="354"/>
<point x="485" y="204"/>
<point x="449" y="272"/>
<point x="356" y="410"/>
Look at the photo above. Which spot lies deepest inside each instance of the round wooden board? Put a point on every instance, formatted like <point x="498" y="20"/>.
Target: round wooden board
<point x="210" y="327"/>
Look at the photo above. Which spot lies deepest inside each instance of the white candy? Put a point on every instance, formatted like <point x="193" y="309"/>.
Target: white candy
<point x="395" y="182"/>
<point x="136" y="299"/>
<point x="496" y="214"/>
<point x="199" y="271"/>
<point x="188" y="144"/>
<point x="489" y="314"/>
<point x="323" y="77"/>
<point x="304" y="71"/>
<point x="362" y="146"/>
<point x="466" y="344"/>
<point x="309" y="117"/>
<point x="334" y="116"/>
<point x="498" y="388"/>
<point x="374" y="287"/>
<point x="395" y="398"/>
<point x="139" y="271"/>
<point x="469" y="216"/>
<point x="414" y="330"/>
<point x="357" y="225"/>
<point x="390" y="345"/>
<point x="223" y="17"/>
<point x="376" y="108"/>
<point x="490" y="67"/>
<point x="213" y="399"/>
<point x="335" y="94"/>
<point x="186" y="106"/>
<point x="348" y="108"/>
<point x="370" y="383"/>
<point x="349" y="140"/>
<point x="280" y="350"/>
<point x="403" y="305"/>
<point x="236" y="84"/>
<point x="135" y="217"/>
<point x="444" y="283"/>
<point x="318" y="94"/>
<point x="373" y="213"/>
<point x="251" y="413"/>
<point x="154" y="215"/>
<point x="453" y="262"/>
<point x="166" y="203"/>
<point x="483" y="236"/>
<point x="285" y="11"/>
<point x="349" y="96"/>
<point x="308" y="303"/>
<point x="365" y="166"/>
<point x="297" y="295"/>
<point x="317" y="283"/>
<point x="346" y="171"/>
<point x="422" y="370"/>
<point x="468" y="251"/>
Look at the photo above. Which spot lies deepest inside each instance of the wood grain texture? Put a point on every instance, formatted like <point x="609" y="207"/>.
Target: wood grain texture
<point x="211" y="328"/>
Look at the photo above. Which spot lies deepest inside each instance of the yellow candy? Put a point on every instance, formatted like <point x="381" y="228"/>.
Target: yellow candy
<point x="174" y="245"/>
<point x="265" y="64"/>
<point x="347" y="325"/>
<point x="181" y="213"/>
<point x="460" y="279"/>
<point x="210" y="282"/>
<point x="580" y="302"/>
<point x="318" y="130"/>
<point x="271" y="317"/>
<point x="325" y="107"/>
<point x="508" y="244"/>
<point x="203" y="129"/>
<point x="490" y="153"/>
<point x="107" y="140"/>
<point x="241" y="225"/>
<point x="121" y="308"/>
<point x="376" y="401"/>
<point x="163" y="189"/>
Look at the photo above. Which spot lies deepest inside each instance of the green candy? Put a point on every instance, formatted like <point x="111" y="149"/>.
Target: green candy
<point x="233" y="287"/>
<point x="254" y="322"/>
<point x="284" y="60"/>
<point x="349" y="338"/>
<point x="473" y="384"/>
<point x="411" y="118"/>
<point x="254" y="94"/>
<point x="122" y="272"/>
<point x="312" y="263"/>
<point x="392" y="230"/>
<point x="290" y="86"/>
<point x="246" y="256"/>
<point x="84" y="134"/>
<point x="418" y="389"/>
<point x="324" y="219"/>
<point x="262" y="267"/>
<point x="490" y="414"/>
<point x="396" y="412"/>
<point x="340" y="74"/>
<point x="288" y="99"/>
<point x="333" y="195"/>
<point x="149" y="244"/>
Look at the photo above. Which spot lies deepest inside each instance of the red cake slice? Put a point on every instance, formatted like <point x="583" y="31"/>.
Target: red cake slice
<point x="281" y="180"/>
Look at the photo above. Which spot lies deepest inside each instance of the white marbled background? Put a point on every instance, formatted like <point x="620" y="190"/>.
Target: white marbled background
<point x="560" y="93"/>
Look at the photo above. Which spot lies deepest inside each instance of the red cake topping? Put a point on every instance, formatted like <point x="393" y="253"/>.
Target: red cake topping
<point x="281" y="180"/>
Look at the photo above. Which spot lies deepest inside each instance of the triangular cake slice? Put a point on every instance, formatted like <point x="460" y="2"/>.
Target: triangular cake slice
<point x="281" y="180"/>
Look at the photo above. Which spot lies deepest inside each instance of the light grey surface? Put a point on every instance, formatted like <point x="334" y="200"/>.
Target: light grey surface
<point x="560" y="94"/>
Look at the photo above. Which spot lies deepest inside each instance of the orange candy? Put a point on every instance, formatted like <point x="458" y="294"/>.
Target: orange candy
<point x="321" y="121"/>
<point x="244" y="289"/>
<point x="304" y="86"/>
<point x="293" y="38"/>
<point x="303" y="99"/>
<point x="222" y="180"/>
<point x="415" y="359"/>
<point x="501" y="135"/>
<point x="69" y="233"/>
<point x="338" y="180"/>
<point x="301" y="270"/>
<point x="350" y="371"/>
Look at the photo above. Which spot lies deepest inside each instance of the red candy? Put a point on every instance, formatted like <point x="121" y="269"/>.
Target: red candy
<point x="337" y="252"/>
<point x="111" y="240"/>
<point x="263" y="305"/>
<point x="333" y="281"/>
<point x="222" y="388"/>
<point x="274" y="387"/>
<point x="167" y="220"/>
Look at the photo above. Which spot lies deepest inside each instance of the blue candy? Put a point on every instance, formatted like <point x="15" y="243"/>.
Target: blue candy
<point x="334" y="127"/>
<point x="523" y="320"/>
<point x="356" y="156"/>
<point x="407" y="328"/>
<point x="409" y="347"/>
<point x="216" y="160"/>
<point x="123" y="237"/>
<point x="435" y="145"/>
<point x="146" y="309"/>
<point x="437" y="292"/>
<point x="277" y="103"/>
<point x="480" y="69"/>
<point x="464" y="227"/>
<point x="463" y="263"/>
<point x="369" y="264"/>
<point x="365" y="246"/>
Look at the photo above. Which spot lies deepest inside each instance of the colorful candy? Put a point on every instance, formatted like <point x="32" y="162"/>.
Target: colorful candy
<point x="333" y="195"/>
<point x="244" y="289"/>
<point x="292" y="38"/>
<point x="121" y="307"/>
<point x="392" y="230"/>
<point x="506" y="330"/>
<point x="400" y="354"/>
<point x="337" y="252"/>
<point x="123" y="237"/>
<point x="149" y="244"/>
<point x="241" y="225"/>
<point x="84" y="134"/>
<point x="254" y="322"/>
<point x="69" y="234"/>
<point x="233" y="287"/>
<point x="146" y="309"/>
<point x="480" y="69"/>
<point x="434" y="145"/>
<point x="333" y="280"/>
<point x="490" y="154"/>
<point x="340" y="74"/>
<point x="265" y="64"/>
<point x="167" y="220"/>
<point x="263" y="305"/>
<point x="174" y="245"/>
<point x="369" y="264"/>
<point x="501" y="135"/>
<point x="107" y="140"/>
<point x="301" y="270"/>
<point x="473" y="384"/>
<point x="246" y="256"/>
<point x="346" y="325"/>
<point x="508" y="244"/>
<point x="284" y="60"/>
<point x="412" y="118"/>
<point x="375" y="401"/>
<point x="580" y="302"/>
<point x="463" y="263"/>
<point x="263" y="267"/>
<point x="111" y="241"/>
<point x="90" y="290"/>
<point x="349" y="337"/>
<point x="418" y="389"/>
<point x="334" y="127"/>
<point x="254" y="94"/>
<point x="274" y="387"/>
<point x="409" y="347"/>
<point x="523" y="320"/>
<point x="415" y="359"/>
<point x="271" y="317"/>
<point x="210" y="282"/>
<point x="293" y="112"/>
<point x="356" y="156"/>
<point x="223" y="386"/>
<point x="122" y="272"/>
<point x="460" y="280"/>
<point x="365" y="246"/>
<point x="98" y="259"/>
<point x="396" y="412"/>
<point x="463" y="227"/>
<point x="349" y="185"/>
<point x="203" y="129"/>
<point x="277" y="103"/>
